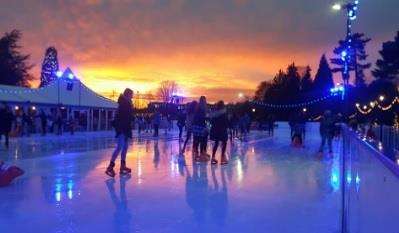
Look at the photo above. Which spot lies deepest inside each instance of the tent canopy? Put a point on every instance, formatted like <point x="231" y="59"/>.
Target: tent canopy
<point x="65" y="91"/>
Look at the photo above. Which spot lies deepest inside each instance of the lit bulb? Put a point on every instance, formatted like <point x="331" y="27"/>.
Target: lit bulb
<point x="337" y="7"/>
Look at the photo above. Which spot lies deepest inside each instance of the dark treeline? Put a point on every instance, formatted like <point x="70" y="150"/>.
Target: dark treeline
<point x="291" y="87"/>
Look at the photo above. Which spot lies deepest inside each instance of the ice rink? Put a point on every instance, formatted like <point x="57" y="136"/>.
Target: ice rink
<point x="268" y="186"/>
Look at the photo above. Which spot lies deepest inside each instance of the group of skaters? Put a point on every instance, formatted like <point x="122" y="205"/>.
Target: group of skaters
<point x="199" y="121"/>
<point x="21" y="123"/>
<point x="329" y="128"/>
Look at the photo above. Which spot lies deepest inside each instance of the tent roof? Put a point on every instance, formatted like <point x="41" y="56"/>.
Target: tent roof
<point x="63" y="91"/>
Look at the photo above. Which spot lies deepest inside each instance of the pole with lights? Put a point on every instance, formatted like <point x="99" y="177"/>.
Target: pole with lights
<point x="351" y="14"/>
<point x="346" y="55"/>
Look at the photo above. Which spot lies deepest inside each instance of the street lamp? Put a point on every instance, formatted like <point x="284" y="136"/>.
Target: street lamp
<point x="381" y="98"/>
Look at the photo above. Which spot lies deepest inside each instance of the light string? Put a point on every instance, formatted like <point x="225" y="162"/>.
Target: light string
<point x="367" y="109"/>
<point x="297" y="105"/>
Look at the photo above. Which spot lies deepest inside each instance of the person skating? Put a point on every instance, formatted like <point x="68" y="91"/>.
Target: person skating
<point x="181" y="121"/>
<point x="327" y="124"/>
<point x="200" y="131"/>
<point x="219" y="132"/>
<point x="156" y="122"/>
<point x="6" y="119"/>
<point x="123" y="128"/>
<point x="189" y="123"/>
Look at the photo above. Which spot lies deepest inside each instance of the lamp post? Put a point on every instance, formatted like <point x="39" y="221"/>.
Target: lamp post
<point x="351" y="15"/>
<point x="351" y="10"/>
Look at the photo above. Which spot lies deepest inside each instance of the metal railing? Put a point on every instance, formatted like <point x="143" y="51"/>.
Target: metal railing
<point x="370" y="186"/>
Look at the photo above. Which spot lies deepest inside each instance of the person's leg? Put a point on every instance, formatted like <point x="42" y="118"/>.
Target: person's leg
<point x="124" y="169"/>
<point x="120" y="144"/>
<point x="188" y="136"/>
<point x="203" y="144"/>
<point x="110" y="169"/>
<point x="224" y="158"/>
<point x="215" y="147"/>
<point x="195" y="145"/>
<point x="180" y="132"/>
<point x="329" y="141"/>
<point x="323" y="142"/>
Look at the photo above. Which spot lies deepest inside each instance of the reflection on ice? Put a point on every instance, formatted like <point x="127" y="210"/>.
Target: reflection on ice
<point x="265" y="183"/>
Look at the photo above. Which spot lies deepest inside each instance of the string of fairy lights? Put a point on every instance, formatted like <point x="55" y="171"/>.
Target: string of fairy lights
<point x="293" y="105"/>
<point x="339" y="90"/>
<point x="368" y="108"/>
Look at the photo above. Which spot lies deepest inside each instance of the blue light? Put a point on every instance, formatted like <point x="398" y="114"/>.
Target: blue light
<point x="58" y="196"/>
<point x="59" y="74"/>
<point x="71" y="76"/>
<point x="349" y="178"/>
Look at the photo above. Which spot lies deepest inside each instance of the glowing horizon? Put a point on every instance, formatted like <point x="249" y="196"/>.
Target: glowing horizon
<point x="212" y="48"/>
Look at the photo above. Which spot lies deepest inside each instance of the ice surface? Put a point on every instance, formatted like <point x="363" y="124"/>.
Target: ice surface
<point x="267" y="187"/>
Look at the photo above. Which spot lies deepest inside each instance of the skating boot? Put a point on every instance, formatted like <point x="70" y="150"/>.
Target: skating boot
<point x="110" y="170"/>
<point x="124" y="170"/>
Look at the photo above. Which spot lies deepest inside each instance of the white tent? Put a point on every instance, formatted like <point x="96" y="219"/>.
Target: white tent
<point x="63" y="91"/>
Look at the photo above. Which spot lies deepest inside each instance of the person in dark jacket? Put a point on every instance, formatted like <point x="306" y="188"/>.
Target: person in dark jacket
<point x="43" y="121"/>
<point x="156" y="123"/>
<point x="327" y="125"/>
<point x="123" y="127"/>
<point x="181" y="121"/>
<point x="200" y="131"/>
<point x="219" y="132"/>
<point x="189" y="123"/>
<point x="6" y="119"/>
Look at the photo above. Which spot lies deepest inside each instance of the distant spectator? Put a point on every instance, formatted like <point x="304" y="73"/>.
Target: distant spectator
<point x="6" y="119"/>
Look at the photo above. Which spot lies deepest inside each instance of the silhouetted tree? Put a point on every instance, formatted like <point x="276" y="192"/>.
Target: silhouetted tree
<point x="388" y="65"/>
<point x="166" y="90"/>
<point x="261" y="90"/>
<point x="49" y="67"/>
<point x="357" y="57"/>
<point x="293" y="83"/>
<point x="306" y="81"/>
<point x="323" y="81"/>
<point x="14" y="66"/>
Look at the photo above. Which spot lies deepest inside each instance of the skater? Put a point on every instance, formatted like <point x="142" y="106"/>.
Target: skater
<point x="219" y="132"/>
<point x="200" y="131"/>
<point x="297" y="135"/>
<point x="189" y="123"/>
<point x="270" y="124"/>
<point x="8" y="174"/>
<point x="181" y="121"/>
<point x="43" y="121"/>
<point x="156" y="122"/>
<point x="123" y="128"/>
<point x="327" y="125"/>
<point x="6" y="119"/>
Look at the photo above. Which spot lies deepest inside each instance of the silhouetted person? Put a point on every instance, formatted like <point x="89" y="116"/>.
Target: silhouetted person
<point x="43" y="121"/>
<point x="156" y="122"/>
<point x="181" y="121"/>
<point x="200" y="131"/>
<point x="123" y="128"/>
<point x="189" y="123"/>
<point x="327" y="125"/>
<point x="219" y="132"/>
<point x="6" y="119"/>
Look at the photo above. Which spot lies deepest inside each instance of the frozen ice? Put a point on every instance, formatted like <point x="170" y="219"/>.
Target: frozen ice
<point x="268" y="186"/>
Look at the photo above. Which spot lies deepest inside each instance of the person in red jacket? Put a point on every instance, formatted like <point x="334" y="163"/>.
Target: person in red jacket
<point x="8" y="174"/>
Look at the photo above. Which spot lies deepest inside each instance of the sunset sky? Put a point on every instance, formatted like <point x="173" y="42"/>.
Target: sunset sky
<point x="212" y="47"/>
